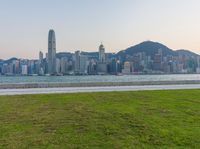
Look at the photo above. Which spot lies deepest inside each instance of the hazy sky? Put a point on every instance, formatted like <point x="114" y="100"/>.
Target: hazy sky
<point x="84" y="24"/>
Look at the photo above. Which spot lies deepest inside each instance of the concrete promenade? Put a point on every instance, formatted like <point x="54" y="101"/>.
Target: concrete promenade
<point x="25" y="91"/>
<point x="94" y="84"/>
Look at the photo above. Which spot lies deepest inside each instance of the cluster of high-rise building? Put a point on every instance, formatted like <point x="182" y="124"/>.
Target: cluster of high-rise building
<point x="99" y="63"/>
<point x="140" y="63"/>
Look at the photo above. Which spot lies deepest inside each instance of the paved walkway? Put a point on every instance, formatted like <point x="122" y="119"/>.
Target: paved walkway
<point x="95" y="89"/>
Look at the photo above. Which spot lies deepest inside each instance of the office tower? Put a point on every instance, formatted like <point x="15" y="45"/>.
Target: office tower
<point x="77" y="62"/>
<point x="16" y="66"/>
<point x="31" y="67"/>
<point x="102" y="66"/>
<point x="157" y="62"/>
<point x="58" y="65"/>
<point x="24" y="70"/>
<point x="51" y="52"/>
<point x="114" y="66"/>
<point x="46" y="57"/>
<point x="102" y="56"/>
<point x="83" y="64"/>
<point x="64" y="65"/>
<point x="40" y="64"/>
<point x="40" y="57"/>
<point x="92" y="67"/>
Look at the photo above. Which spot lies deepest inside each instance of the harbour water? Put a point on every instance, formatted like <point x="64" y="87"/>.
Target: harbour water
<point x="98" y="79"/>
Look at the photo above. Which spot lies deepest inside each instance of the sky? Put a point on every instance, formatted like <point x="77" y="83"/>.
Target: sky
<point x="84" y="24"/>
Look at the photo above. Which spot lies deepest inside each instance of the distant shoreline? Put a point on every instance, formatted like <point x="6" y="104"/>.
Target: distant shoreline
<point x="132" y="74"/>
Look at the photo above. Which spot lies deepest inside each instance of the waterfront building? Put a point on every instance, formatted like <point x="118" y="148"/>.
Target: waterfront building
<point x="64" y="65"/>
<point x="102" y="68"/>
<point x="51" y="52"/>
<point x="40" y="57"/>
<point x="46" y="57"/>
<point x="70" y="67"/>
<point x="83" y="64"/>
<point x="16" y="67"/>
<point x="127" y="68"/>
<point x="24" y="70"/>
<point x="198" y="65"/>
<point x="114" y="66"/>
<point x="158" y="62"/>
<point x="166" y="67"/>
<point x="36" y="67"/>
<point x="102" y="55"/>
<point x="31" y="66"/>
<point x="7" y="69"/>
<point x="4" y="68"/>
<point x="92" y="68"/>
<point x="77" y="62"/>
<point x="58" y="66"/>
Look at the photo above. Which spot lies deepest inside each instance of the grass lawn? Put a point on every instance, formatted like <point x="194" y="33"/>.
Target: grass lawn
<point x="145" y="119"/>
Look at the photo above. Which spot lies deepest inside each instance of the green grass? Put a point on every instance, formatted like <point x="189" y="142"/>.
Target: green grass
<point x="146" y="119"/>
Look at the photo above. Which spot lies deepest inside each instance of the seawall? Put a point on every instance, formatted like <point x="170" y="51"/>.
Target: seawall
<point x="95" y="84"/>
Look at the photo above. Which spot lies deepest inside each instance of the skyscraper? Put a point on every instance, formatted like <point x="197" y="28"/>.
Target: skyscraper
<point x="102" y="56"/>
<point x="77" y="62"/>
<point x="102" y="65"/>
<point x="40" y="57"/>
<point x="83" y="64"/>
<point x="51" y="52"/>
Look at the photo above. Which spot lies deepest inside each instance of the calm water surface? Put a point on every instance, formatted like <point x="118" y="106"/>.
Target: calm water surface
<point x="85" y="79"/>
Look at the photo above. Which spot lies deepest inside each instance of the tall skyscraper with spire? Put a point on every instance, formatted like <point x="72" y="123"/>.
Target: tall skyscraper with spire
<point x="52" y="52"/>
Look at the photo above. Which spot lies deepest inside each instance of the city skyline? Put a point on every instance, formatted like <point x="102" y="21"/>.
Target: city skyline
<point x="145" y="58"/>
<point x="84" y="25"/>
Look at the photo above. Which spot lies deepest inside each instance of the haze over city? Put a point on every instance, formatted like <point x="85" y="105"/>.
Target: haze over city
<point x="83" y="25"/>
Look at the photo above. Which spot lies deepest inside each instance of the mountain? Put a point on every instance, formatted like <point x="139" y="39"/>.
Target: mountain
<point x="148" y="47"/>
<point x="186" y="53"/>
<point x="151" y="48"/>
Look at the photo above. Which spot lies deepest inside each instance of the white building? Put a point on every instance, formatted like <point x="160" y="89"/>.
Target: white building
<point x="127" y="68"/>
<point x="24" y="70"/>
<point x="57" y="65"/>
